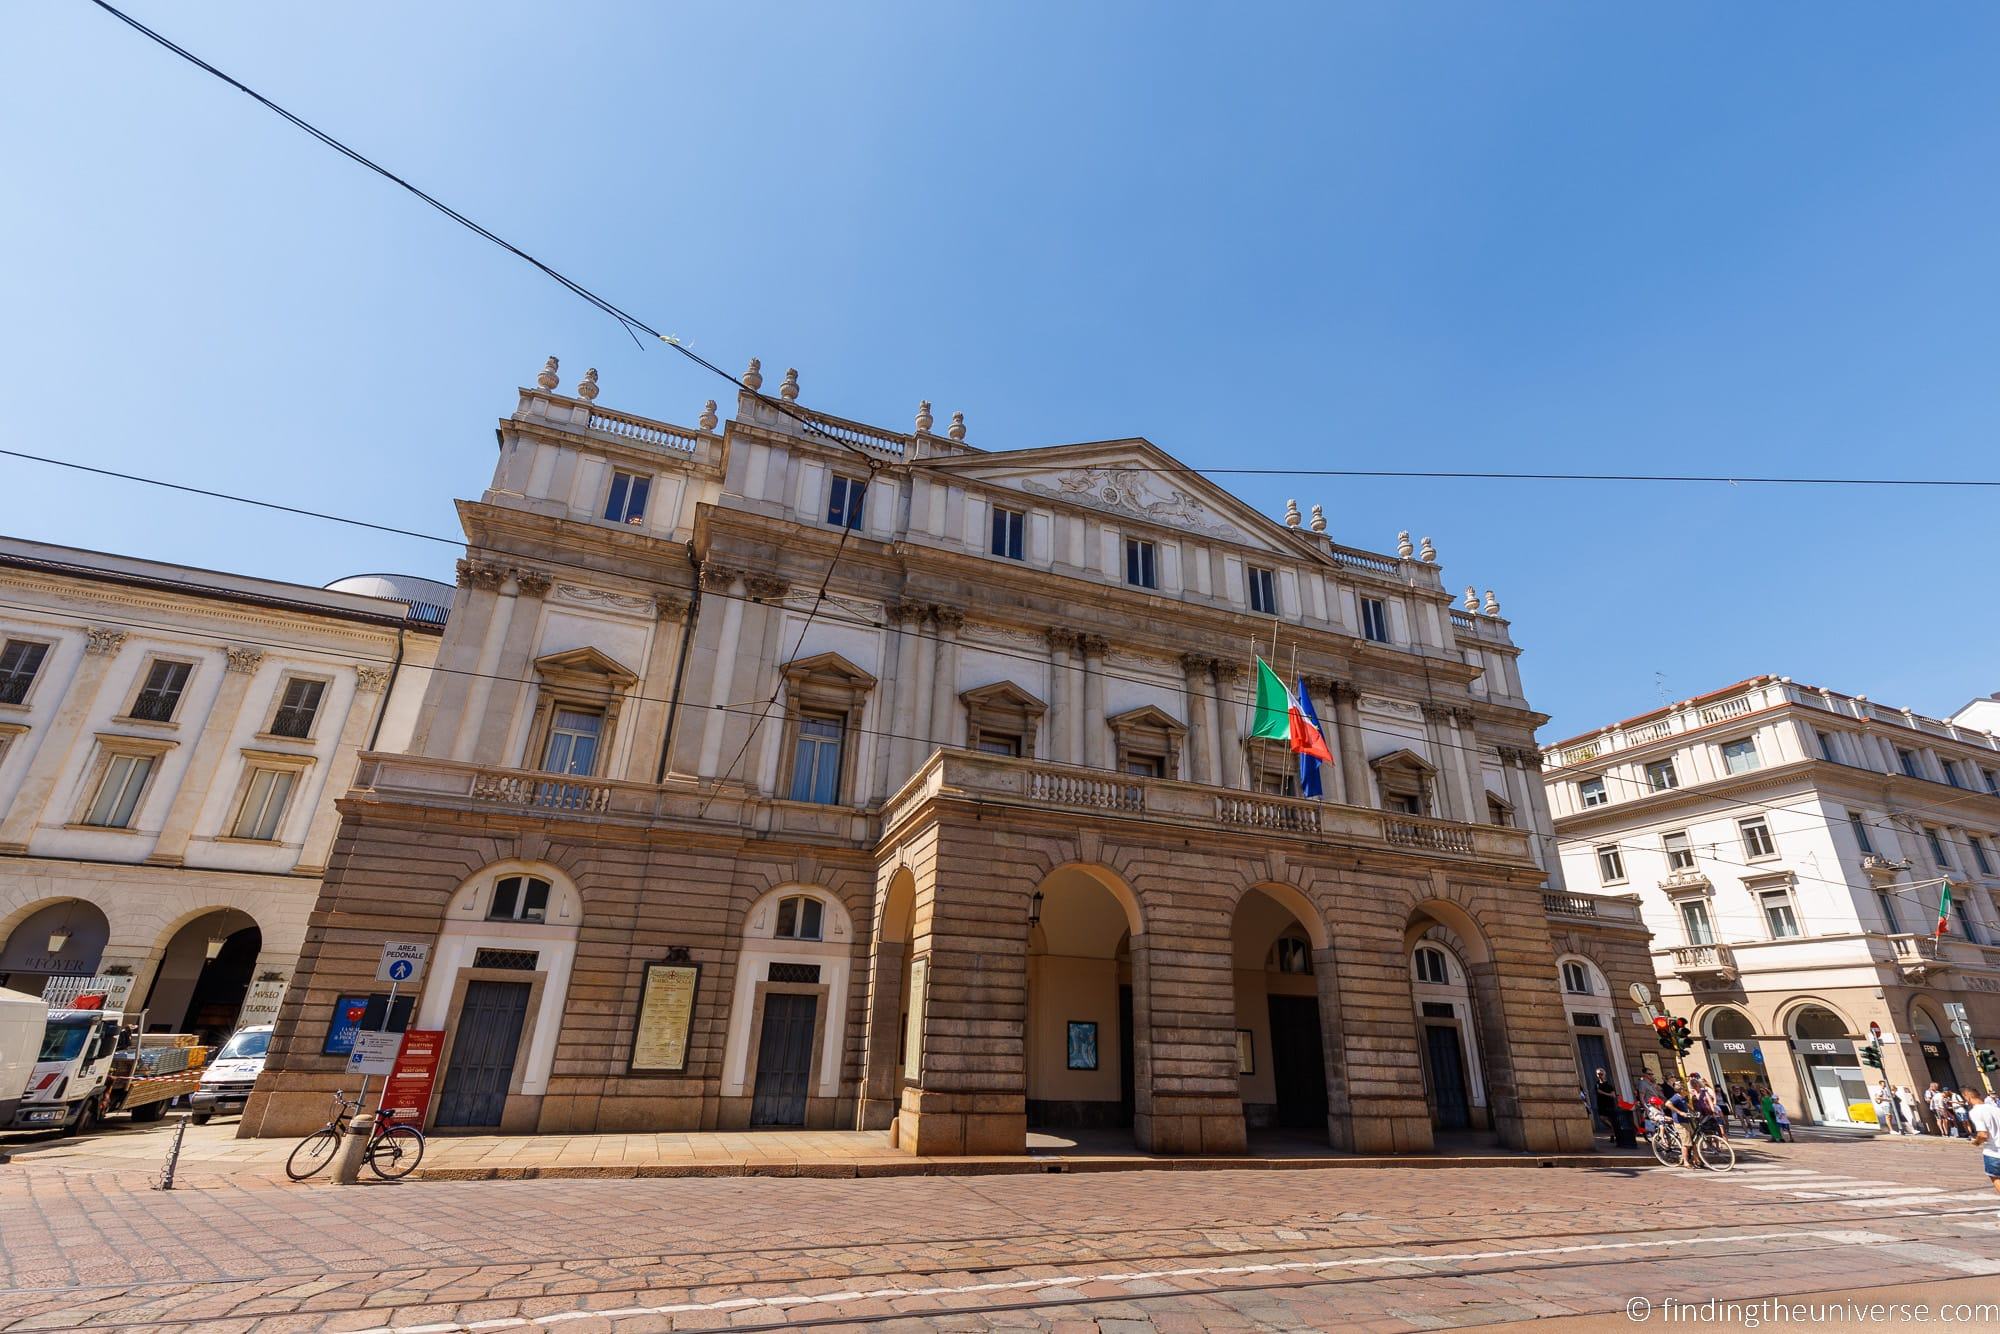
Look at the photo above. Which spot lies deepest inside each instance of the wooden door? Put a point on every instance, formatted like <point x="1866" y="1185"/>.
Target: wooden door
<point x="784" y="1060"/>
<point x="482" y="1054"/>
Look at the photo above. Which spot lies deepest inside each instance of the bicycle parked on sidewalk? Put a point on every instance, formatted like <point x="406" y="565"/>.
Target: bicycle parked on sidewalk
<point x="1712" y="1149"/>
<point x="394" y="1147"/>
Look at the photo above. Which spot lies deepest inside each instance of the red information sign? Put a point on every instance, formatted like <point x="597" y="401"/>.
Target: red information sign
<point x="408" y="1093"/>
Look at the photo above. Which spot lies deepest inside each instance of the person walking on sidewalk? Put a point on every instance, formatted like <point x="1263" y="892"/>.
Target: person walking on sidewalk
<point x="1606" y="1098"/>
<point x="1885" y="1109"/>
<point x="1985" y="1120"/>
<point x="1912" y="1118"/>
<point x="1940" y="1110"/>
<point x="1778" y="1114"/>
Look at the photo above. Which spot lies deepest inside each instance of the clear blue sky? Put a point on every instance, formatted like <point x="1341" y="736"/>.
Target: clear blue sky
<point x="1586" y="237"/>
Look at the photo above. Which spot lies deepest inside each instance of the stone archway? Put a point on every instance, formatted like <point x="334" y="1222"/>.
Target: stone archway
<point x="889" y="1002"/>
<point x="1832" y="1081"/>
<point x="204" y="975"/>
<point x="54" y="938"/>
<point x="1288" y="1052"/>
<point x="1082" y="1044"/>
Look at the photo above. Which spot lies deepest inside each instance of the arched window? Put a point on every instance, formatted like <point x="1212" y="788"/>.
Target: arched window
<point x="1576" y="979"/>
<point x="1431" y="966"/>
<point x="519" y="898"/>
<point x="800" y="918"/>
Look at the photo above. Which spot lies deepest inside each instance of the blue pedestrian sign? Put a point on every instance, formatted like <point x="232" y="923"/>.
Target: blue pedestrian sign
<point x="402" y="962"/>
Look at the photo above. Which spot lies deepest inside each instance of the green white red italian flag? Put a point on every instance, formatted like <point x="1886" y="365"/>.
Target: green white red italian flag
<point x="1944" y="912"/>
<point x="1279" y="717"/>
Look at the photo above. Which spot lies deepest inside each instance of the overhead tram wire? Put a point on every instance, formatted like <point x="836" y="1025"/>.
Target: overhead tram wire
<point x="859" y="622"/>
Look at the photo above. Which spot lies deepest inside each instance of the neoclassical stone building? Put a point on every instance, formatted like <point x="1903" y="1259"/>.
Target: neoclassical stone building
<point x="794" y="771"/>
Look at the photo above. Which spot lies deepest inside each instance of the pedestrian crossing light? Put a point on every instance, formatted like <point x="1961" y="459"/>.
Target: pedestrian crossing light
<point x="1871" y="1054"/>
<point x="1988" y="1062"/>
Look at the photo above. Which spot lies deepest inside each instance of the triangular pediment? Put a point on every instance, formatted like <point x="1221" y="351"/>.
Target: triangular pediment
<point x="1407" y="760"/>
<point x="1002" y="695"/>
<point x="1144" y="717"/>
<point x="586" y="662"/>
<point x="1131" y="479"/>
<point x="828" y="666"/>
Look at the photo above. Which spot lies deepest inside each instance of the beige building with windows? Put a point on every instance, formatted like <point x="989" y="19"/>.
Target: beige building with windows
<point x="1789" y="846"/>
<point x="171" y="744"/>
<point x="796" y="771"/>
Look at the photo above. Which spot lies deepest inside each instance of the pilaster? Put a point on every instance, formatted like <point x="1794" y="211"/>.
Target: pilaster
<point x="198" y="779"/>
<point x="65" y="728"/>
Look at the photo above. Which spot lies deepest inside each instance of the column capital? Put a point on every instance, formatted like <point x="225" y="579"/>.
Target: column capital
<point x="764" y="586"/>
<point x="1435" y="713"/>
<point x="1463" y="716"/>
<point x="718" y="578"/>
<point x="369" y="680"/>
<point x="103" y="640"/>
<point x="668" y="606"/>
<point x="1061" y="638"/>
<point x="1228" y="670"/>
<point x="1093" y="646"/>
<point x="1344" y="692"/>
<point x="481" y="574"/>
<point x="947" y="618"/>
<point x="241" y="659"/>
<point x="533" y="583"/>
<point x="1197" y="664"/>
<point x="903" y="613"/>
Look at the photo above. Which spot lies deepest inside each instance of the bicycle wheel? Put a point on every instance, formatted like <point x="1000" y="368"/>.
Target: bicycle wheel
<point x="312" y="1153"/>
<point x="1717" y="1153"/>
<point x="1664" y="1148"/>
<point x="396" y="1151"/>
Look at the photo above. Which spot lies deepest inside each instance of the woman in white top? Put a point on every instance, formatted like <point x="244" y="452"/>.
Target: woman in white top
<point x="1908" y="1101"/>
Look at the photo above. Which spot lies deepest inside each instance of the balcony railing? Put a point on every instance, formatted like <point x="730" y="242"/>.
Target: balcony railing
<point x="644" y="431"/>
<point x="1431" y="835"/>
<point x="542" y="792"/>
<point x="1569" y="905"/>
<point x="1704" y="961"/>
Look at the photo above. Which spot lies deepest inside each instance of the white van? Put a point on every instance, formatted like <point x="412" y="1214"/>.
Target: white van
<point x="226" y="1083"/>
<point x="22" y="1019"/>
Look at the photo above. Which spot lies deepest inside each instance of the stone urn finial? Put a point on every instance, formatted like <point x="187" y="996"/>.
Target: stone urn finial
<point x="708" y="417"/>
<point x="789" y="390"/>
<point x="1427" y="553"/>
<point x="1319" y="520"/>
<point x="1471" y="598"/>
<point x="549" y="379"/>
<point x="586" y="388"/>
<point x="1403" y="547"/>
<point x="924" y="418"/>
<point x="1291" y="514"/>
<point x="957" y="429"/>
<point x="753" y="378"/>
<point x="1492" y="604"/>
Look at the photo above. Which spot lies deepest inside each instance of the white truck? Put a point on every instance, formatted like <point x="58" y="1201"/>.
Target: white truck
<point x="22" y="1019"/>
<point x="92" y="1063"/>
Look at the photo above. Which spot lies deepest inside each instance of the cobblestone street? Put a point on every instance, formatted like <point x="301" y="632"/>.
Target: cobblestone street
<point x="87" y="1244"/>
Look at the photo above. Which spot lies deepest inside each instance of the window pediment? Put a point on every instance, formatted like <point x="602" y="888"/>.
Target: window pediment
<point x="828" y="669"/>
<point x="586" y="669"/>
<point x="1403" y="762"/>
<point x="1003" y="697"/>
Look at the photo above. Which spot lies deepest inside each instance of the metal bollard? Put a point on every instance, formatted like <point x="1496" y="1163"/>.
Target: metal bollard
<point x="353" y="1149"/>
<point x="166" y="1181"/>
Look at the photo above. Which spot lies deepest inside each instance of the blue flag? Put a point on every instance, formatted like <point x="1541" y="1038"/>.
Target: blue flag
<point x="1309" y="765"/>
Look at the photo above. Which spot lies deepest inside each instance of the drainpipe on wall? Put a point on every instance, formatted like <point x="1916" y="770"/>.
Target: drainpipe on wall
<point x="388" y="691"/>
<point x="680" y="668"/>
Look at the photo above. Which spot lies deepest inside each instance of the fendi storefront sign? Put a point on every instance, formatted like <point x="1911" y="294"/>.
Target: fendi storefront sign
<point x="666" y="1014"/>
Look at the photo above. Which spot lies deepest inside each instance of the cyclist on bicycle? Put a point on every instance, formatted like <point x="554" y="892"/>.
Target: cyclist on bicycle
<point x="1682" y="1114"/>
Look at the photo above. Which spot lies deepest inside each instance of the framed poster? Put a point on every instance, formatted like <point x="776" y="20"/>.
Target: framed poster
<point x="913" y="1019"/>
<point x="343" y="1024"/>
<point x="666" y="1014"/>
<point x="1246" y="1053"/>
<point x="1082" y="1045"/>
<point x="407" y="1094"/>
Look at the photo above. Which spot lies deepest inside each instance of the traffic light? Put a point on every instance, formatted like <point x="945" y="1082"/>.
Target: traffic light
<point x="1683" y="1040"/>
<point x="1663" y="1028"/>
<point x="1871" y="1054"/>
<point x="1987" y="1060"/>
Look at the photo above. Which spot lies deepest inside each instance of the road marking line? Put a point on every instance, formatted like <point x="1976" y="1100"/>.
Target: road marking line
<point x="1069" y="1282"/>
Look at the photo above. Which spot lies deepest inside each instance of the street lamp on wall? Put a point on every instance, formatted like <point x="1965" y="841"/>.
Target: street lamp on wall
<point x="60" y="936"/>
<point x="219" y="938"/>
<point x="1035" y="909"/>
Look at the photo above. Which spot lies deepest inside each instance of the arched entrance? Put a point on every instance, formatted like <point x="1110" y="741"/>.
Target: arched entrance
<point x="1730" y="1041"/>
<point x="1281" y="1046"/>
<point x="60" y="938"/>
<point x="1447" y="1036"/>
<point x="1935" y="1046"/>
<point x="788" y="1017"/>
<point x="204" y="975"/>
<point x="1829" y="1069"/>
<point x="1593" y="1023"/>
<point x="1080" y="1055"/>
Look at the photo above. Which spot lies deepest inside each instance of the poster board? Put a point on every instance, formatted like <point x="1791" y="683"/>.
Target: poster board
<point x="913" y="1031"/>
<point x="666" y="1017"/>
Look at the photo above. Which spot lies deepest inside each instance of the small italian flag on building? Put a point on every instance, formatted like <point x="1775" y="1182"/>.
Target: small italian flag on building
<point x="1944" y="912"/>
<point x="1279" y="717"/>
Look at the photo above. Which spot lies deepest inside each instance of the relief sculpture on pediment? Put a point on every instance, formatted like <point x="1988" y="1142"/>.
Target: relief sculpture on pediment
<point x="1130" y="491"/>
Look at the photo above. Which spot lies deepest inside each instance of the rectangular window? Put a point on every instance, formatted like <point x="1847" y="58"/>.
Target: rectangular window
<point x="1937" y="848"/>
<point x="1951" y="773"/>
<point x="1660" y="775"/>
<point x="816" y="760"/>
<point x="627" y="501"/>
<point x="1610" y="864"/>
<point x="1757" y="840"/>
<point x="264" y="802"/>
<point x="298" y="707"/>
<point x="1141" y="568"/>
<point x="843" y="502"/>
<point x="1965" y="925"/>
<point x="1740" y="756"/>
<point x="161" y="694"/>
<point x="1146" y="766"/>
<point x="1979" y="856"/>
<point x="1694" y="919"/>
<point x="1375" y="620"/>
<point x="1779" y="914"/>
<point x="1908" y="759"/>
<point x="999" y="743"/>
<point x="1992" y="780"/>
<point x="573" y="738"/>
<point x="1263" y="591"/>
<point x="1860" y="828"/>
<point x="1591" y="792"/>
<point x="1008" y="526"/>
<point x="118" y="793"/>
<point x="20" y="659"/>
<point x="1826" y="748"/>
<point x="1680" y="853"/>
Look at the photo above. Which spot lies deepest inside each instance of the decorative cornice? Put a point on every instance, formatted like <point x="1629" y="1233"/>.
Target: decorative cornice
<point x="240" y="659"/>
<point x="481" y="574"/>
<point x="369" y="680"/>
<point x="103" y="640"/>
